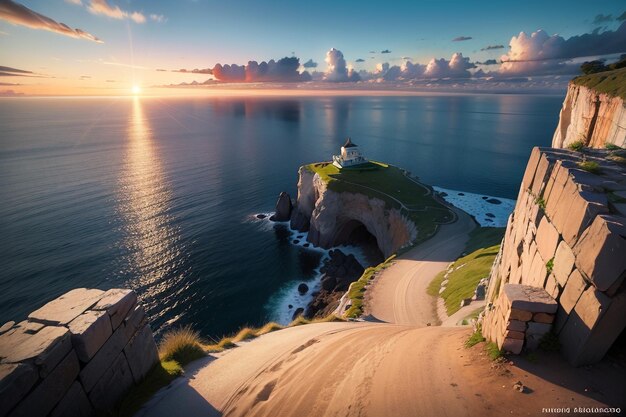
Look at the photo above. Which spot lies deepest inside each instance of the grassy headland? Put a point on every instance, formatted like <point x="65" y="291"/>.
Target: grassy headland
<point x="391" y="185"/>
<point x="612" y="82"/>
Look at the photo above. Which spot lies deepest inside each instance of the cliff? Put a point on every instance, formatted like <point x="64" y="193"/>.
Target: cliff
<point x="593" y="111"/>
<point x="331" y="205"/>
<point x="565" y="241"/>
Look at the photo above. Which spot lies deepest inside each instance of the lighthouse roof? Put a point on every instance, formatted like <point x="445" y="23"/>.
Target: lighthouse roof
<point x="349" y="144"/>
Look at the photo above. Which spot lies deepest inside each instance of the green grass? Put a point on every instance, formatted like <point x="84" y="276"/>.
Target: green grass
<point x="541" y="203"/>
<point x="612" y="147"/>
<point x="484" y="244"/>
<point x="492" y="351"/>
<point x="576" y="146"/>
<point x="181" y="345"/>
<point x="590" y="166"/>
<point x="391" y="185"/>
<point x="612" y="83"/>
<point x="474" y="339"/>
<point x="550" y="265"/>
<point x="159" y="376"/>
<point x="356" y="291"/>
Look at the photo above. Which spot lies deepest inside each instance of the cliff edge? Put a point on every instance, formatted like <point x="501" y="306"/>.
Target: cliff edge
<point x="593" y="111"/>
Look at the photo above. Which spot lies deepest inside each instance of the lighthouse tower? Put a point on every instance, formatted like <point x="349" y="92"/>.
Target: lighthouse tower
<point x="350" y="156"/>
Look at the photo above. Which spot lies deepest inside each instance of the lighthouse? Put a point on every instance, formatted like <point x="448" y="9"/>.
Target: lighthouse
<point x="350" y="156"/>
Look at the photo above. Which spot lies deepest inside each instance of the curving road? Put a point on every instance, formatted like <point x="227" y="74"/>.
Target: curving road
<point x="398" y="295"/>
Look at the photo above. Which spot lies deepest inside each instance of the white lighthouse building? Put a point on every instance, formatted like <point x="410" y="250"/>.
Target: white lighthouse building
<point x="350" y="156"/>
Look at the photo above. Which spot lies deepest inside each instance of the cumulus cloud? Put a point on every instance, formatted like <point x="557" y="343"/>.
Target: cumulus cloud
<point x="540" y="53"/>
<point x="385" y="51"/>
<point x="491" y="47"/>
<point x="337" y="70"/>
<point x="488" y="62"/>
<point x="456" y="67"/>
<point x="461" y="38"/>
<point x="310" y="64"/>
<point x="283" y="70"/>
<point x="21" y="15"/>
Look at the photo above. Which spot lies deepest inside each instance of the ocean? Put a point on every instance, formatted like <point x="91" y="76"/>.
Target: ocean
<point x="160" y="194"/>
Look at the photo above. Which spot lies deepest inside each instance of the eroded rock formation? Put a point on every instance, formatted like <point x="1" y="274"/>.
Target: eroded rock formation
<point x="593" y="118"/>
<point x="330" y="217"/>
<point x="283" y="208"/>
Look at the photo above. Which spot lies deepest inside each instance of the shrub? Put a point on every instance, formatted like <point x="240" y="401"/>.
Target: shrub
<point x="590" y="166"/>
<point x="182" y="345"/>
<point x="576" y="146"/>
<point x="540" y="202"/>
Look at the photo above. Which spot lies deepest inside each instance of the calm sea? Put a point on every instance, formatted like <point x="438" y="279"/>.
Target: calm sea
<point x="159" y="195"/>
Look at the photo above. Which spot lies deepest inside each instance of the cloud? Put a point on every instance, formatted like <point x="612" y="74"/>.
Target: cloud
<point x="457" y="67"/>
<point x="360" y="60"/>
<point x="159" y="18"/>
<point x="491" y="47"/>
<point x="193" y="71"/>
<point x="102" y="7"/>
<point x="385" y="51"/>
<point x="461" y="38"/>
<point x="21" y="15"/>
<point x="602" y="18"/>
<point x="310" y="64"/>
<point x="10" y="93"/>
<point x="8" y="71"/>
<point x="161" y="70"/>
<point x="336" y="70"/>
<point x="540" y="53"/>
<point x="488" y="62"/>
<point x="283" y="70"/>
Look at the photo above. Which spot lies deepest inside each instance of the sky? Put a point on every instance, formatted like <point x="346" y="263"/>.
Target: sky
<point x="103" y="47"/>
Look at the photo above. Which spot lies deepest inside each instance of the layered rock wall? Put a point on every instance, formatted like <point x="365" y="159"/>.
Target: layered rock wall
<point x="593" y="118"/>
<point x="76" y="356"/>
<point x="567" y="235"/>
<point x="330" y="216"/>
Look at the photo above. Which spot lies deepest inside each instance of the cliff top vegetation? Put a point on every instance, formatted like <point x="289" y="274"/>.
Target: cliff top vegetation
<point x="392" y="185"/>
<point x="612" y="82"/>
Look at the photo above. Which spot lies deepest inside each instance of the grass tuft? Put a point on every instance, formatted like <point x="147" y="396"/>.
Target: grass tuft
<point x="541" y="203"/>
<point x="268" y="328"/>
<point x="590" y="166"/>
<point x="182" y="345"/>
<point x="612" y="147"/>
<point x="492" y="351"/>
<point x="550" y="265"/>
<point x="245" y="334"/>
<point x="576" y="146"/>
<point x="474" y="339"/>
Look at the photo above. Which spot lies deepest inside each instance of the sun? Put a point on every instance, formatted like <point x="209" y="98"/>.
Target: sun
<point x="136" y="89"/>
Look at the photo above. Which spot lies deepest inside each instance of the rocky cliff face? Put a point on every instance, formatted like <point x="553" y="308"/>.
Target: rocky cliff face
<point x="567" y="239"/>
<point x="330" y="217"/>
<point x="593" y="118"/>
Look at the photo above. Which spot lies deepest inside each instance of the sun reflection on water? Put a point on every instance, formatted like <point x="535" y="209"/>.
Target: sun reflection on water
<point x="156" y="259"/>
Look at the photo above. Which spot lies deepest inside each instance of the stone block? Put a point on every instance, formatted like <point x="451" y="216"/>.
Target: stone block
<point x="552" y="287"/>
<point x="93" y="371"/>
<point x="538" y="328"/>
<point x="520" y="315"/>
<point x="576" y="335"/>
<point x="90" y="331"/>
<point x="512" y="334"/>
<point x="543" y="318"/>
<point x="533" y="341"/>
<point x="45" y="348"/>
<point x="117" y="303"/>
<point x="6" y="327"/>
<point x="142" y="353"/>
<point x="135" y="321"/>
<point x="538" y="272"/>
<point x="563" y="263"/>
<point x="529" y="299"/>
<point x="75" y="403"/>
<point x="547" y="239"/>
<point x="111" y="388"/>
<point x="67" y="307"/>
<point x="50" y="391"/>
<point x="512" y="345"/>
<point x="531" y="167"/>
<point x="30" y="327"/>
<point x="16" y="380"/>
<point x="554" y="200"/>
<point x="544" y="167"/>
<point x="584" y="208"/>
<point x="516" y="325"/>
<point x="572" y="291"/>
<point x="600" y="252"/>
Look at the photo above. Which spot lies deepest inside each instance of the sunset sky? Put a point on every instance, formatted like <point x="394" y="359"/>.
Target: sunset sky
<point x="102" y="47"/>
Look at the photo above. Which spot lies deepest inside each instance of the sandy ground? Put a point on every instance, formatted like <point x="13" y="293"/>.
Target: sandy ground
<point x="398" y="295"/>
<point x="395" y="369"/>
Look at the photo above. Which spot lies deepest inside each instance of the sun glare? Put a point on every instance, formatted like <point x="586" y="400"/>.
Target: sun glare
<point x="136" y="89"/>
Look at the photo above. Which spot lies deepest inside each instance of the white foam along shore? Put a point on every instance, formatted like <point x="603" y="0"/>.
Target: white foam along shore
<point x="288" y="295"/>
<point x="488" y="211"/>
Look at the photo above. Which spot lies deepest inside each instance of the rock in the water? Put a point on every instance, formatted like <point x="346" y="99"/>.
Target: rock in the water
<point x="303" y="288"/>
<point x="297" y="313"/>
<point x="283" y="208"/>
<point x="490" y="215"/>
<point x="328" y="283"/>
<point x="493" y="201"/>
<point x="290" y="306"/>
<point x="261" y="216"/>
<point x="295" y="242"/>
<point x="306" y="245"/>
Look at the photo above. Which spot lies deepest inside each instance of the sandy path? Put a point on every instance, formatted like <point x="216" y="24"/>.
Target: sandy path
<point x="399" y="295"/>
<point x="363" y="369"/>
